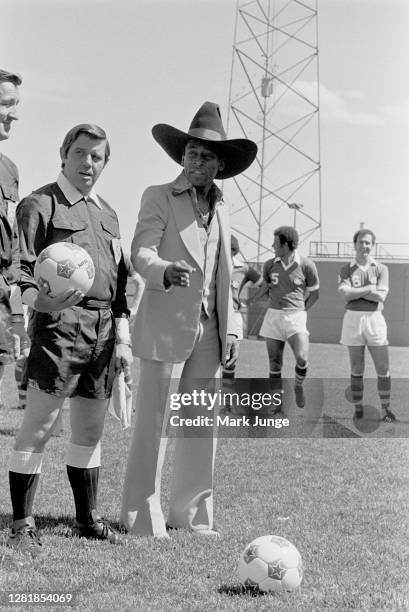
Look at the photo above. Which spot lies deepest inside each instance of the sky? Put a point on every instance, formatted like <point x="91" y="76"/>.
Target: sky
<point x="128" y="64"/>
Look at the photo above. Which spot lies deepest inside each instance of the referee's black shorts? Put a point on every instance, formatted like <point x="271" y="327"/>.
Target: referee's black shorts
<point x="72" y="352"/>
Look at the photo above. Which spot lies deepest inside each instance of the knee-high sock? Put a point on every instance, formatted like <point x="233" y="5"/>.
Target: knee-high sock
<point x="300" y="373"/>
<point x="24" y="474"/>
<point x="276" y="382"/>
<point x="276" y="390"/>
<point x="83" y="464"/>
<point x="384" y="391"/>
<point x="357" y="388"/>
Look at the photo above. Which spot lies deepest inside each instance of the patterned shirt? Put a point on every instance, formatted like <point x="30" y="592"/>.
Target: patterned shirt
<point x="288" y="283"/>
<point x="209" y="236"/>
<point x="358" y="276"/>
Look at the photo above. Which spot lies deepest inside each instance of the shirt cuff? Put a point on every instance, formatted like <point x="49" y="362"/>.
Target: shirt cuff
<point x="123" y="335"/>
<point x="15" y="300"/>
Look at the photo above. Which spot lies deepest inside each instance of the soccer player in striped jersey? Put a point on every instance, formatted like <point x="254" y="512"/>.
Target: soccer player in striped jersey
<point x="364" y="285"/>
<point x="292" y="284"/>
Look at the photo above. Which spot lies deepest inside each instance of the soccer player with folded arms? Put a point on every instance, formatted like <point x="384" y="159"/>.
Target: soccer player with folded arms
<point x="364" y="285"/>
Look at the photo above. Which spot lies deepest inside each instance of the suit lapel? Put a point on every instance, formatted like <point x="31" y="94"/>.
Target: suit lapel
<point x="224" y="244"/>
<point x="187" y="226"/>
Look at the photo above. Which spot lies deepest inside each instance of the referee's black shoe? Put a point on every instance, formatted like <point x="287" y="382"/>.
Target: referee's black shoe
<point x="100" y="529"/>
<point x="23" y="537"/>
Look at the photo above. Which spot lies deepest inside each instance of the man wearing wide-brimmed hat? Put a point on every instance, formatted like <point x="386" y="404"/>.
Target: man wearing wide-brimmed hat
<point x="184" y="328"/>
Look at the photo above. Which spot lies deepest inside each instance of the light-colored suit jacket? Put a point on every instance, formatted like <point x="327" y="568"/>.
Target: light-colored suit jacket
<point x="167" y="321"/>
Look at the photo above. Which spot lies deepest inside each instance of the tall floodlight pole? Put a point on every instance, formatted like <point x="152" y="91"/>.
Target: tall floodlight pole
<point x="264" y="94"/>
<point x="274" y="100"/>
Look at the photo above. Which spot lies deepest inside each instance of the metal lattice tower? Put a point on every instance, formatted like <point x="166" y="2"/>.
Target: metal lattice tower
<point x="274" y="100"/>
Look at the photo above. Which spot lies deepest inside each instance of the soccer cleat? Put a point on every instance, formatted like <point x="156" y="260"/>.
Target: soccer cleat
<point x="299" y="396"/>
<point x="98" y="530"/>
<point x="275" y="407"/>
<point x="359" y="412"/>
<point x="23" y="537"/>
<point x="277" y="411"/>
<point x="389" y="417"/>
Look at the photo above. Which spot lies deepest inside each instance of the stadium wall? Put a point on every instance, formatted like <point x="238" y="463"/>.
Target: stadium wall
<point x="325" y="318"/>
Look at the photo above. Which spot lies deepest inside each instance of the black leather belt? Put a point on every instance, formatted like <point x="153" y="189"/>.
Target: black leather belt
<point x="94" y="304"/>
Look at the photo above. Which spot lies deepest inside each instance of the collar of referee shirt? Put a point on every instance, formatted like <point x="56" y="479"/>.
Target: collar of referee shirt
<point x="72" y="194"/>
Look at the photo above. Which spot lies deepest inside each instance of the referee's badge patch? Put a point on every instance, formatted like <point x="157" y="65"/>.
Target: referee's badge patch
<point x="116" y="249"/>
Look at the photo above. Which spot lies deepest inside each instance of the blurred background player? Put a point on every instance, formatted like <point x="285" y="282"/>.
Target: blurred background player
<point x="242" y="273"/>
<point x="364" y="285"/>
<point x="13" y="338"/>
<point x="292" y="284"/>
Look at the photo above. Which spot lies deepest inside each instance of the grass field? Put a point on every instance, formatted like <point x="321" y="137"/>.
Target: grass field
<point x="343" y="501"/>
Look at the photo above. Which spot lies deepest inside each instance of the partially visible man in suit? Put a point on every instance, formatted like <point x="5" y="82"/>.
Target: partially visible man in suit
<point x="10" y="298"/>
<point x="184" y="328"/>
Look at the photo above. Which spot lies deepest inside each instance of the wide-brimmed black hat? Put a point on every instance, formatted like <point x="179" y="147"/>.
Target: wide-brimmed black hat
<point x="207" y="127"/>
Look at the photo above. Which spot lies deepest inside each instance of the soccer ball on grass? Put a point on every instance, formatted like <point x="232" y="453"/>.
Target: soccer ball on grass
<point x="64" y="265"/>
<point x="271" y="563"/>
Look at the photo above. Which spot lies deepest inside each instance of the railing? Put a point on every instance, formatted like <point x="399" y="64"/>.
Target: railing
<point x="383" y="250"/>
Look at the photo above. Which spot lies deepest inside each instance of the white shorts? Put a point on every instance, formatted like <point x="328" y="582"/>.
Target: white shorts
<point x="282" y="324"/>
<point x="360" y="328"/>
